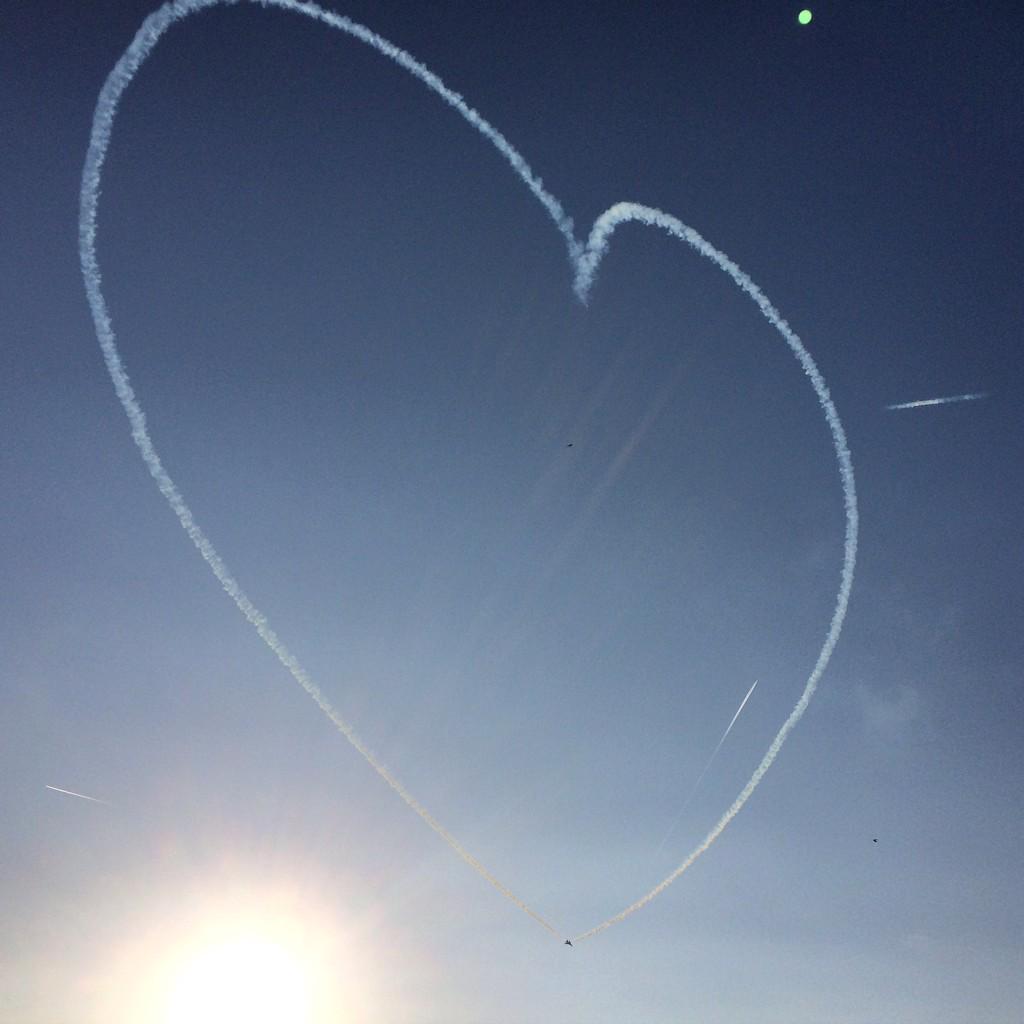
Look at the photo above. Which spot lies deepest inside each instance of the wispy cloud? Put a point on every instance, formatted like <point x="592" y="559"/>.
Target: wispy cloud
<point x="888" y="714"/>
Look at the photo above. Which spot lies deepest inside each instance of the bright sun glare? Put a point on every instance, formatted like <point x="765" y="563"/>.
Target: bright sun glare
<point x="249" y="979"/>
<point x="236" y="948"/>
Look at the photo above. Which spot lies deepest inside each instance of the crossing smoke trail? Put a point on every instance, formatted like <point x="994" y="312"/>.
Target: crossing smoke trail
<point x="704" y="770"/>
<point x="939" y="401"/>
<point x="584" y="260"/>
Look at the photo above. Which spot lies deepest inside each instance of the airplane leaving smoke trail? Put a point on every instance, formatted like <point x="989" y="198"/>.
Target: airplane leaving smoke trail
<point x="939" y="401"/>
<point x="81" y="796"/>
<point x="704" y="770"/>
<point x="584" y="259"/>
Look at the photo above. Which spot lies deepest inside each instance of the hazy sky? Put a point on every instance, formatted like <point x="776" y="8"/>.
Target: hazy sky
<point x="535" y="553"/>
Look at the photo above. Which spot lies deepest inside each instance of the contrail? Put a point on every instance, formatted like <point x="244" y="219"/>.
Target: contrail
<point x="704" y="770"/>
<point x="584" y="259"/>
<point x="81" y="796"/>
<point x="939" y="401"/>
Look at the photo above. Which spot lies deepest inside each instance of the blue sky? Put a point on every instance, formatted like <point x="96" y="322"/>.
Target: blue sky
<point x="353" y="333"/>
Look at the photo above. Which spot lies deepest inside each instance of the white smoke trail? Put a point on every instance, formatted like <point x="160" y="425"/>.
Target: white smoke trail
<point x="597" y="246"/>
<point x="939" y="401"/>
<point x="81" y="796"/>
<point x="704" y="770"/>
<point x="117" y="81"/>
<point x="584" y="260"/>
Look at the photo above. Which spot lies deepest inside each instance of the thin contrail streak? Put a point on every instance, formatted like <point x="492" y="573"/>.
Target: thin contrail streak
<point x="81" y="796"/>
<point x="704" y="770"/>
<point x="584" y="260"/>
<point x="973" y="396"/>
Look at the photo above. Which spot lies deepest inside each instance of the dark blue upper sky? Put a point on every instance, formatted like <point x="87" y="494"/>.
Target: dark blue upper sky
<point x="353" y="333"/>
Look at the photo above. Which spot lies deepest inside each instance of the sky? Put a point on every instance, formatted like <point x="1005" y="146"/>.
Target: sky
<point x="535" y="552"/>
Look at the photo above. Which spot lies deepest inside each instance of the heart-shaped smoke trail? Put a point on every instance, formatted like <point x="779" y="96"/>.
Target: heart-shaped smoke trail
<point x="584" y="259"/>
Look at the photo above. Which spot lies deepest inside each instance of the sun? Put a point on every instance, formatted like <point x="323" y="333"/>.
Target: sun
<point x="230" y="944"/>
<point x="248" y="978"/>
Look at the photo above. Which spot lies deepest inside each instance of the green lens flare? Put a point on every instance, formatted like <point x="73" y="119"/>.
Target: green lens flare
<point x="804" y="17"/>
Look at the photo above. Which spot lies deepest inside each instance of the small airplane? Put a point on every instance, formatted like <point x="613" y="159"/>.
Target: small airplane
<point x="567" y="942"/>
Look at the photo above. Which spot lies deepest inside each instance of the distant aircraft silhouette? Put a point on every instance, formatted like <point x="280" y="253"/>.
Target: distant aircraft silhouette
<point x="569" y="445"/>
<point x="567" y="942"/>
